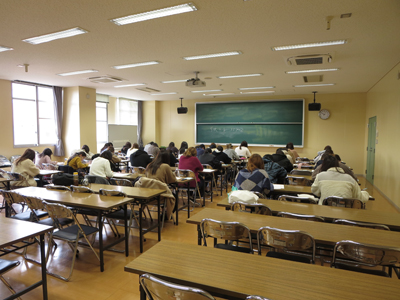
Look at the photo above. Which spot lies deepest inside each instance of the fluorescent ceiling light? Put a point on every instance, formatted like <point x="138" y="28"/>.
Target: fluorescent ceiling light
<point x="159" y="13"/>
<point x="307" y="85"/>
<point x="55" y="36"/>
<point x="236" y="76"/>
<point x="173" y="93"/>
<point x="126" y="85"/>
<point x="220" y="94"/>
<point x="311" y="71"/>
<point x="309" y="45"/>
<point x="259" y="92"/>
<point x="77" y="72"/>
<point x="206" y="91"/>
<point x="174" y="81"/>
<point x="212" y="55"/>
<point x="147" y="63"/>
<point x="257" y="88"/>
<point x="3" y="48"/>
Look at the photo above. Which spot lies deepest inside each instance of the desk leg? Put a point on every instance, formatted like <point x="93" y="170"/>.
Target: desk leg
<point x="176" y="205"/>
<point x="43" y="262"/>
<point x="204" y="192"/>
<point x="100" y="221"/>
<point x="140" y="227"/>
<point x="188" y="194"/>
<point x="126" y="230"/>
<point x="198" y="235"/>
<point x="159" y="214"/>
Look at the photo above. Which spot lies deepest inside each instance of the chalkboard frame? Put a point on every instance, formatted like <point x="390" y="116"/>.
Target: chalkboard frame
<point x="242" y="123"/>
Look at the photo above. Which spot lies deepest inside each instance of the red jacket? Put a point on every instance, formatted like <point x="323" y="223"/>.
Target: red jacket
<point x="191" y="163"/>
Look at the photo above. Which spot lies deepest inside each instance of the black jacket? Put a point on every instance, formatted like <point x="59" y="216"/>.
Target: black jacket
<point x="140" y="158"/>
<point x="172" y="159"/>
<point x="222" y="156"/>
<point x="209" y="159"/>
<point x="281" y="159"/>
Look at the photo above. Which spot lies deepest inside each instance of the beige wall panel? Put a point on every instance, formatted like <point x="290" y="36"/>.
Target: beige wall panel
<point x="112" y="110"/>
<point x="87" y="116"/>
<point x="71" y="125"/>
<point x="149" y="122"/>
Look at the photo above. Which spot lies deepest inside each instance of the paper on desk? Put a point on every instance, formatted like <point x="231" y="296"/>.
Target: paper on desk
<point x="279" y="186"/>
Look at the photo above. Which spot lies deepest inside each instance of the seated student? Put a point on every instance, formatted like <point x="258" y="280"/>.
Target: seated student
<point x="87" y="150"/>
<point x="276" y="173"/>
<point x="320" y="153"/>
<point x="231" y="153"/>
<point x="75" y="161"/>
<point x="345" y="168"/>
<point x="293" y="153"/>
<point x="189" y="161"/>
<point x="172" y="158"/>
<point x="153" y="150"/>
<point x="326" y="153"/>
<point x="183" y="148"/>
<point x="125" y="148"/>
<point x="45" y="158"/>
<point x="200" y="149"/>
<point x="101" y="165"/>
<point x="140" y="158"/>
<point x="159" y="168"/>
<point x="105" y="147"/>
<point x="132" y="150"/>
<point x="242" y="150"/>
<point x="213" y="146"/>
<point x="171" y="148"/>
<point x="147" y="146"/>
<point x="254" y="177"/>
<point x="115" y="158"/>
<point x="222" y="156"/>
<point x="280" y="158"/>
<point x="209" y="159"/>
<point x="288" y="155"/>
<point x="26" y="167"/>
<point x="333" y="181"/>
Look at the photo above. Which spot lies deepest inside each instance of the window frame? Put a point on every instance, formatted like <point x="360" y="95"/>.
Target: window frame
<point x="98" y="142"/>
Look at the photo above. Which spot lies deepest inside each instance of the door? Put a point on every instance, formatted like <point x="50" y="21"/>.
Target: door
<point x="371" y="149"/>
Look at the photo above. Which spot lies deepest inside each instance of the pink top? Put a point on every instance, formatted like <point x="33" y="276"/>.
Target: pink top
<point x="44" y="160"/>
<point x="191" y="163"/>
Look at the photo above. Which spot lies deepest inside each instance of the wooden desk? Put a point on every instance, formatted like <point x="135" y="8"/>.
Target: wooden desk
<point x="330" y="213"/>
<point x="140" y="196"/>
<point x="325" y="233"/>
<point x="305" y="176"/>
<point x="124" y="161"/>
<point x="233" y="275"/>
<point x="129" y="176"/>
<point x="292" y="190"/>
<point x="84" y="200"/>
<point x="14" y="231"/>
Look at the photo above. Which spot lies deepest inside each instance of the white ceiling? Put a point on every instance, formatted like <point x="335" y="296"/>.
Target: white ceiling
<point x="252" y="27"/>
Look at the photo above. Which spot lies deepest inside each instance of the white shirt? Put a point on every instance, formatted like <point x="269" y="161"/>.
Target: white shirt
<point x="243" y="152"/>
<point x="129" y="152"/>
<point x="101" y="167"/>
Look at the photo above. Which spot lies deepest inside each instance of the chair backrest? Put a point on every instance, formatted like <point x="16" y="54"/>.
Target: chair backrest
<point x="256" y="208"/>
<point x="157" y="289"/>
<point x="254" y="297"/>
<point x="292" y="240"/>
<point x="105" y="192"/>
<point x="12" y="197"/>
<point x="80" y="189"/>
<point x="231" y="231"/>
<point x="206" y="166"/>
<point x="120" y="182"/>
<point x="14" y="158"/>
<point x="184" y="173"/>
<point x="4" y="162"/>
<point x="367" y="254"/>
<point x="3" y="174"/>
<point x="361" y="224"/>
<point x="138" y="170"/>
<point x="58" y="187"/>
<point x="343" y="202"/>
<point x="300" y="217"/>
<point x="49" y="166"/>
<point x="260" y="195"/>
<point x="301" y="172"/>
<point x="297" y="199"/>
<point x="58" y="211"/>
<point x="293" y="180"/>
<point x="34" y="202"/>
<point x="16" y="176"/>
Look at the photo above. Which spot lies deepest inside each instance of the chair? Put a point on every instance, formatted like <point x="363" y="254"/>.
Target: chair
<point x="96" y="179"/>
<point x="18" y="177"/>
<point x="293" y="180"/>
<point x="361" y="224"/>
<point x="343" y="202"/>
<point x="138" y="170"/>
<point x="254" y="297"/>
<point x="228" y="231"/>
<point x="157" y="289"/>
<point x="57" y="188"/>
<point x="14" y="199"/>
<point x="121" y="182"/>
<point x="256" y="208"/>
<point x="361" y="256"/>
<point x="188" y="173"/>
<point x="297" y="199"/>
<point x="14" y="158"/>
<point x="301" y="172"/>
<point x="300" y="217"/>
<point x="67" y="169"/>
<point x="298" y="243"/>
<point x="71" y="234"/>
<point x="5" y="266"/>
<point x="4" y="162"/>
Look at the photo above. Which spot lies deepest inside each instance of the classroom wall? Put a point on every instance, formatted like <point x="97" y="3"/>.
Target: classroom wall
<point x="383" y="101"/>
<point x="344" y="130"/>
<point x="112" y="110"/>
<point x="87" y="108"/>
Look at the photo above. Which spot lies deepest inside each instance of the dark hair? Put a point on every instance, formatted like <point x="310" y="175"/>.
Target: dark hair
<point x="190" y="152"/>
<point x="279" y="151"/>
<point x="244" y="144"/>
<point x="75" y="155"/>
<point x="106" y="145"/>
<point x="171" y="145"/>
<point x="255" y="162"/>
<point x="28" y="154"/>
<point x="212" y="146"/>
<point x="135" y="146"/>
<point x="208" y="150"/>
<point x="127" y="145"/>
<point x="86" y="148"/>
<point x="163" y="157"/>
<point x="328" y="148"/>
<point x="111" y="149"/>
<point x="45" y="152"/>
<point x="330" y="162"/>
<point x="184" y="145"/>
<point x="220" y="149"/>
<point x="155" y="145"/>
<point x="338" y="157"/>
<point x="106" y="154"/>
<point x="290" y="146"/>
<point x="325" y="155"/>
<point x="229" y="146"/>
<point x="202" y="146"/>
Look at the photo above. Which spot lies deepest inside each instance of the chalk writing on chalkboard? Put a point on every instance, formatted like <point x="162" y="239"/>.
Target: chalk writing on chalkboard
<point x="216" y="129"/>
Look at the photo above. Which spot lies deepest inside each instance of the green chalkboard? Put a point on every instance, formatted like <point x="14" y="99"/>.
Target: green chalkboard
<point x="258" y="122"/>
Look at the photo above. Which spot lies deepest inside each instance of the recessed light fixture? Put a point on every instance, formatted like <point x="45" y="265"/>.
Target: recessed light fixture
<point x="77" y="72"/>
<point x="159" y="13"/>
<point x="257" y="88"/>
<point x="174" y="81"/>
<point x="55" y="36"/>
<point x="158" y="94"/>
<point x="212" y="55"/>
<point x="206" y="91"/>
<point x="309" y="45"/>
<point x="259" y="92"/>
<point x="237" y="76"/>
<point x="147" y="63"/>
<point x="3" y="48"/>
<point x="220" y="94"/>
<point x="311" y="71"/>
<point x="307" y="85"/>
<point x="126" y="85"/>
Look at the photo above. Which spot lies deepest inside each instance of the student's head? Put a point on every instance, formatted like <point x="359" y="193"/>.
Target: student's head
<point x="151" y="143"/>
<point x="212" y="146"/>
<point x="228" y="146"/>
<point x="155" y="145"/>
<point x="106" y="145"/>
<point x="191" y="151"/>
<point x="106" y="154"/>
<point x="279" y="151"/>
<point x="135" y="146"/>
<point x="338" y="158"/>
<point x="290" y="146"/>
<point x="45" y="152"/>
<point x="220" y="149"/>
<point x="202" y="146"/>
<point x="243" y="144"/>
<point x="163" y="157"/>
<point x="28" y="154"/>
<point x="325" y="155"/>
<point x="184" y="145"/>
<point x="111" y="149"/>
<point x="328" y="148"/>
<point x="171" y="145"/>
<point x="128" y="145"/>
<point x="156" y="150"/>
<point x="255" y="162"/>
<point x="329" y="162"/>
<point x="208" y="150"/>
<point x="81" y="154"/>
<point x="85" y="148"/>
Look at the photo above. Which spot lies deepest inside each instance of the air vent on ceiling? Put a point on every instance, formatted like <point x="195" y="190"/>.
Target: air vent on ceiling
<point x="105" y="79"/>
<point x="313" y="78"/>
<point x="148" y="90"/>
<point x="314" y="59"/>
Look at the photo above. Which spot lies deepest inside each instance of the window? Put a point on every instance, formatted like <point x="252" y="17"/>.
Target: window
<point x="101" y="124"/>
<point x="33" y="115"/>
<point x="127" y="112"/>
